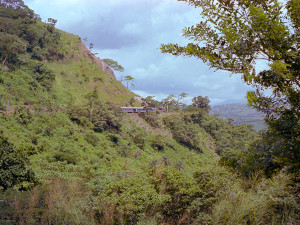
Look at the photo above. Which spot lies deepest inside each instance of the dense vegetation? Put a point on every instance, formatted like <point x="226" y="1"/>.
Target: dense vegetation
<point x="126" y="174"/>
<point x="234" y="35"/>
<point x="45" y="67"/>
<point x="67" y="156"/>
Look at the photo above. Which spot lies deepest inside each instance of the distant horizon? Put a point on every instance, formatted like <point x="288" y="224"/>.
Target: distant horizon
<point x="188" y="101"/>
<point x="231" y="102"/>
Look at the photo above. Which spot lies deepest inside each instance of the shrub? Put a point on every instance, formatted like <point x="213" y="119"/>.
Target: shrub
<point x="123" y="148"/>
<point x="92" y="138"/>
<point x="57" y="202"/>
<point x="183" y="197"/>
<point x="138" y="135"/>
<point x="103" y="116"/>
<point x="128" y="200"/>
<point x="42" y="74"/>
<point x="14" y="167"/>
<point x="23" y="115"/>
<point x="152" y="119"/>
<point x="158" y="142"/>
<point x="184" y="132"/>
<point x="268" y="201"/>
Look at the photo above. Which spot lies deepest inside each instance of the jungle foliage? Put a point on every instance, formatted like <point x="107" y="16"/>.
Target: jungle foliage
<point x="67" y="156"/>
<point x="82" y="175"/>
<point x="235" y="35"/>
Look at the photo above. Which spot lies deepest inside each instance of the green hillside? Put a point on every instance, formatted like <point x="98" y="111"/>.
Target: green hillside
<point x="242" y="114"/>
<point x="68" y="155"/>
<point x="49" y="67"/>
<point x="79" y="74"/>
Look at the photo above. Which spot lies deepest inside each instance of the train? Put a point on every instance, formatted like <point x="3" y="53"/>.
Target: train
<point x="138" y="109"/>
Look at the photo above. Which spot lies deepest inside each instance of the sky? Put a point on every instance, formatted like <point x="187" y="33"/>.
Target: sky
<point x="131" y="32"/>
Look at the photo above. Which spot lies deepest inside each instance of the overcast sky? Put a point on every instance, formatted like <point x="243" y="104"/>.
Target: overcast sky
<point x="131" y="31"/>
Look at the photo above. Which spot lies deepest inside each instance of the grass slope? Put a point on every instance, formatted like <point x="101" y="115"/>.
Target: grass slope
<point x="59" y="83"/>
<point x="80" y="74"/>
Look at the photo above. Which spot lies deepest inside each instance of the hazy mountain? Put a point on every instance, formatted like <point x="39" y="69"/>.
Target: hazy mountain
<point x="242" y="114"/>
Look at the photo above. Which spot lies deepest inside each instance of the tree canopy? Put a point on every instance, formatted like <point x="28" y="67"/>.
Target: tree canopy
<point x="235" y="35"/>
<point x="13" y="166"/>
<point x="114" y="65"/>
<point x="15" y="4"/>
<point x="202" y="103"/>
<point x="129" y="79"/>
<point x="22" y="37"/>
<point x="10" y="47"/>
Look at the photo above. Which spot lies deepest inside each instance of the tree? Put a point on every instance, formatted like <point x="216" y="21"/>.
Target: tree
<point x="201" y="102"/>
<point x="10" y="47"/>
<point x="51" y="24"/>
<point x="128" y="79"/>
<point x="234" y="35"/>
<point x="114" y="65"/>
<point x="13" y="166"/>
<point x="102" y="116"/>
<point x="15" y="4"/>
<point x="169" y="101"/>
<point x="149" y="100"/>
<point x="91" y="46"/>
<point x="180" y="98"/>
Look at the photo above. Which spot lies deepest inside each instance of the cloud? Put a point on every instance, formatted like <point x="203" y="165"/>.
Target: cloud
<point x="131" y="32"/>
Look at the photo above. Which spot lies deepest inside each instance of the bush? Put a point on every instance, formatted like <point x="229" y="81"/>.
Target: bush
<point x="103" y="116"/>
<point x="268" y="201"/>
<point x="56" y="202"/>
<point x="92" y="138"/>
<point x="138" y="135"/>
<point x="159" y="142"/>
<point x="43" y="75"/>
<point x="14" y="167"/>
<point x="37" y="53"/>
<point x="23" y="115"/>
<point x="128" y="200"/>
<point x="152" y="119"/>
<point x="186" y="133"/>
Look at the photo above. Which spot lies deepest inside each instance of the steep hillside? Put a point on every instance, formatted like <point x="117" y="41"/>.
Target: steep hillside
<point x="242" y="114"/>
<point x="46" y="67"/>
<point x="81" y="72"/>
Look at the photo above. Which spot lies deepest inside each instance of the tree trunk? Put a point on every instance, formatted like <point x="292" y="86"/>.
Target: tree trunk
<point x="5" y="59"/>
